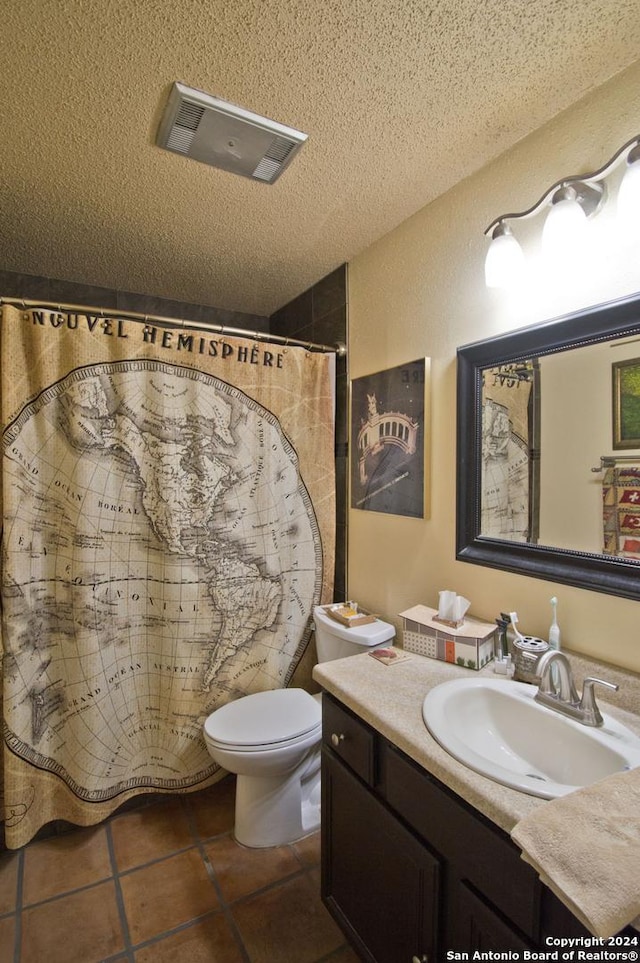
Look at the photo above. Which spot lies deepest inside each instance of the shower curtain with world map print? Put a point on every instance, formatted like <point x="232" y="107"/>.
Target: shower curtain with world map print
<point x="168" y="525"/>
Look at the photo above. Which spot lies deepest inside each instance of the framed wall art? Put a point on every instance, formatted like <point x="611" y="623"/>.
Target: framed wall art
<point x="390" y="470"/>
<point x="626" y="403"/>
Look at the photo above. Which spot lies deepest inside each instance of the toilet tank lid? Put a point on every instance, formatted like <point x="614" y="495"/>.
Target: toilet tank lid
<point x="264" y="717"/>
<point x="373" y="633"/>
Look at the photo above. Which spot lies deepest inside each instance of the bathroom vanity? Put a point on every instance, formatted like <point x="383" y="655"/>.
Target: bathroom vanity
<point x="416" y="856"/>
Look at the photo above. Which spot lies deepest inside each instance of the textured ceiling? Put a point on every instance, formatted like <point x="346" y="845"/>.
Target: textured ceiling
<point x="401" y="99"/>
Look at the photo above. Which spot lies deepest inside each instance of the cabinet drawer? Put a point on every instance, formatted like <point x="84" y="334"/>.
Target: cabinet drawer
<point x="349" y="737"/>
<point x="477" y="851"/>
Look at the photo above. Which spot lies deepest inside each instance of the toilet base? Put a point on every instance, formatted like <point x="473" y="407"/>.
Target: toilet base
<point x="271" y="811"/>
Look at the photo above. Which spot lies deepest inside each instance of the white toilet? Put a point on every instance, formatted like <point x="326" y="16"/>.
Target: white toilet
<point x="271" y="740"/>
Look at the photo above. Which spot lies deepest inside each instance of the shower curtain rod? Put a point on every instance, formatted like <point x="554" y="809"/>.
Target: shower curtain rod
<point x="339" y="347"/>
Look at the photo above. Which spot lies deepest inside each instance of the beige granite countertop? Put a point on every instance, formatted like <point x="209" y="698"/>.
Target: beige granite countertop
<point x="390" y="699"/>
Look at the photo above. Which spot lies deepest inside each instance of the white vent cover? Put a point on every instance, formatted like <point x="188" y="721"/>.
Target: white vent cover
<point x="222" y="135"/>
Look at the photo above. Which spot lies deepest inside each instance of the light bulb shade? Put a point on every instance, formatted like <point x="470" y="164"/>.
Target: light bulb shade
<point x="564" y="228"/>
<point x="628" y="203"/>
<point x="504" y="264"/>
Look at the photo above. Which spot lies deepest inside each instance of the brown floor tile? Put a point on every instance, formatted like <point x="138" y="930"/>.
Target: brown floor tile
<point x="308" y="850"/>
<point x="214" y="808"/>
<point x="287" y="924"/>
<point x="150" y="833"/>
<point x="167" y="894"/>
<point x="240" y="871"/>
<point x="63" y="863"/>
<point x="284" y="923"/>
<point x="9" y="863"/>
<point x="7" y="937"/>
<point x="80" y="928"/>
<point x="210" y="941"/>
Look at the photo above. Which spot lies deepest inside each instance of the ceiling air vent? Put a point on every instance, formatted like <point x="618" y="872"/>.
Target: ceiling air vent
<point x="222" y="135"/>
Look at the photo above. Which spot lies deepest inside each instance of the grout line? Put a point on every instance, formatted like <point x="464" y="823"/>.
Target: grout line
<point x="228" y="915"/>
<point x="334" y="954"/>
<point x="274" y="884"/>
<point x="124" y="923"/>
<point x="155" y="860"/>
<point x="180" y="928"/>
<point x="68" y="892"/>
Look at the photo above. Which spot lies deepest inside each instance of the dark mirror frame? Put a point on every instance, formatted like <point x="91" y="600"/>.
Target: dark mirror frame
<point x="598" y="573"/>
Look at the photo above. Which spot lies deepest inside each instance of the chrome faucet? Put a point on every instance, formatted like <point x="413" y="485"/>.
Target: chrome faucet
<point x="557" y="690"/>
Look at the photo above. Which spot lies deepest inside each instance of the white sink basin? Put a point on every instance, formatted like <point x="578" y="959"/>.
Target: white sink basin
<point x="495" y="727"/>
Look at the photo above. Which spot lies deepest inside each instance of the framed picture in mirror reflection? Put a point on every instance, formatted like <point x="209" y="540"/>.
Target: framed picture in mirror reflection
<point x="626" y="403"/>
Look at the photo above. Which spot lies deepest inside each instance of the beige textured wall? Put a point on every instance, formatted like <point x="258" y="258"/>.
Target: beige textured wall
<point x="420" y="291"/>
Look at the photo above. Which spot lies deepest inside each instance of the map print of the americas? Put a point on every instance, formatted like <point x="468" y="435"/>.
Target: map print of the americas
<point x="164" y="557"/>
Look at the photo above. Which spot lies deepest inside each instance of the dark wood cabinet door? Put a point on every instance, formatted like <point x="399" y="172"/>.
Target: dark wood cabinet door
<point x="478" y="927"/>
<point x="380" y="882"/>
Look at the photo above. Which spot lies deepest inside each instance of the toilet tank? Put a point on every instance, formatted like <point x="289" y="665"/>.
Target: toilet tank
<point x="335" y="641"/>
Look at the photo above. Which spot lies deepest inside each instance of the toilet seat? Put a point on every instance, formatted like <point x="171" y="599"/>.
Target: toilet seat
<point x="275" y="718"/>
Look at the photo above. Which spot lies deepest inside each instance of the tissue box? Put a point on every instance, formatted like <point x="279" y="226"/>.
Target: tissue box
<point x="470" y="645"/>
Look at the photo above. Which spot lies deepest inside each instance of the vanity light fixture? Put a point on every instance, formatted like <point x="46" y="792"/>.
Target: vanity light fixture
<point x="505" y="259"/>
<point x="629" y="191"/>
<point x="571" y="205"/>
<point x="568" y="204"/>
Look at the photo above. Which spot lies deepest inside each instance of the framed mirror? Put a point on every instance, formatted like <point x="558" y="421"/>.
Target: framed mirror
<point x="543" y="487"/>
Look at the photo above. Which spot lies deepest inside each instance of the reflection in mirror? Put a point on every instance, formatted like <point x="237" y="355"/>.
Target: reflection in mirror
<point x="510" y="428"/>
<point x="548" y="483"/>
<point x="543" y="487"/>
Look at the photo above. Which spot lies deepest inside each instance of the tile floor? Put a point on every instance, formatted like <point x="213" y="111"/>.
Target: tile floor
<point x="165" y="882"/>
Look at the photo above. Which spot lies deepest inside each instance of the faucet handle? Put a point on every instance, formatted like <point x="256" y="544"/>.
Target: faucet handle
<point x="588" y="701"/>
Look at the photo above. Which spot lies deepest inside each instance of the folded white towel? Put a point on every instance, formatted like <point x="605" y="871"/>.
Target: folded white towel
<point x="586" y="849"/>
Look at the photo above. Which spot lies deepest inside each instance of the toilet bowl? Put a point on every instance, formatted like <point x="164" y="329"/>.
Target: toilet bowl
<point x="271" y="741"/>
